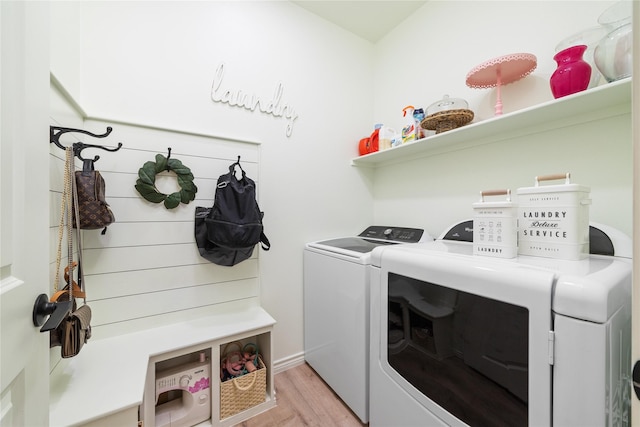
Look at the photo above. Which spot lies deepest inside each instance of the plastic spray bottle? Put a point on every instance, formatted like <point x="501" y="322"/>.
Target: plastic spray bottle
<point x="409" y="129"/>
<point x="418" y="115"/>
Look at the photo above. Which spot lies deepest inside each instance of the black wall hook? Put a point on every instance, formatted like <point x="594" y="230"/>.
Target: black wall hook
<point x="233" y="166"/>
<point x="168" y="168"/>
<point x="55" y="132"/>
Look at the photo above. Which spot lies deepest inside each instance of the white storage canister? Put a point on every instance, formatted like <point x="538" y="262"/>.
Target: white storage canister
<point x="554" y="219"/>
<point x="495" y="226"/>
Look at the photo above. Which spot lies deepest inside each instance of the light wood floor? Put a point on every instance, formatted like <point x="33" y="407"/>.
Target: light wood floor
<point x="304" y="399"/>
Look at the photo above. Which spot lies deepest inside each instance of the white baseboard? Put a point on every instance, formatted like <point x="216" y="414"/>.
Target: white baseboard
<point x="288" y="363"/>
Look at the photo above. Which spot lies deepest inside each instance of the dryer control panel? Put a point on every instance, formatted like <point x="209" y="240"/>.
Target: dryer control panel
<point x="395" y="234"/>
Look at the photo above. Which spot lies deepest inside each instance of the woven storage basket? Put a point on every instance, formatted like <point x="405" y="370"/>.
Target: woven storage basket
<point x="241" y="393"/>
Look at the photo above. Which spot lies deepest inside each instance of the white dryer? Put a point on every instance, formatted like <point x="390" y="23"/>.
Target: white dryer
<point x="336" y="309"/>
<point x="458" y="339"/>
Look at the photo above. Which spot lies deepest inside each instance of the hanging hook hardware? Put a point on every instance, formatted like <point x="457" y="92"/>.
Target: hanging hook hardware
<point x="233" y="167"/>
<point x="55" y="132"/>
<point x="167" y="168"/>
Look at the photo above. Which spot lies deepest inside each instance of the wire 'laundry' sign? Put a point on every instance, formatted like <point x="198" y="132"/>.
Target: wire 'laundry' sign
<point x="242" y="99"/>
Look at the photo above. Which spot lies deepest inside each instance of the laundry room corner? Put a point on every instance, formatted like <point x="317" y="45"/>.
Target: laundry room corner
<point x="181" y="74"/>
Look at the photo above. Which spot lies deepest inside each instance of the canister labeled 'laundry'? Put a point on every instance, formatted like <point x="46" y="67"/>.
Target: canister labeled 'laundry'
<point x="554" y="219"/>
<point x="495" y="226"/>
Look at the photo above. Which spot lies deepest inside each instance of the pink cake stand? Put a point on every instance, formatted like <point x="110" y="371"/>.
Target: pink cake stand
<point x="501" y="71"/>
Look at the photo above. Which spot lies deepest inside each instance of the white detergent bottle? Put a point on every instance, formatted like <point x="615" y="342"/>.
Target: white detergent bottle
<point x="386" y="137"/>
<point x="409" y="129"/>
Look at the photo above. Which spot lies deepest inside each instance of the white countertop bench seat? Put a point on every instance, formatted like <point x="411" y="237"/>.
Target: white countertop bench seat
<point x="108" y="377"/>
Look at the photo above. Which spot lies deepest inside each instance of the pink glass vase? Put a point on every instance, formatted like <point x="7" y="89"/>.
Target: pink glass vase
<point x="572" y="74"/>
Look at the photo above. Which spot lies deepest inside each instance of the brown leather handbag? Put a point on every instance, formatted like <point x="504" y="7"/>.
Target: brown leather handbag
<point x="94" y="210"/>
<point x="75" y="329"/>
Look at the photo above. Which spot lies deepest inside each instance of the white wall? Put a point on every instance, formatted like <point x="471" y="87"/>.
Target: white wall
<point x="152" y="63"/>
<point x="64" y="44"/>
<point x="453" y="37"/>
<point x="450" y="37"/>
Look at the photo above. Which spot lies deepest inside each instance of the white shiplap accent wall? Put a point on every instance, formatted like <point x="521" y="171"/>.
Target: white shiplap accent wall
<point x="146" y="270"/>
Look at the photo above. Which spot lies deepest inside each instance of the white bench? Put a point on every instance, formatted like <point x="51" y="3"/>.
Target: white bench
<point x="104" y="385"/>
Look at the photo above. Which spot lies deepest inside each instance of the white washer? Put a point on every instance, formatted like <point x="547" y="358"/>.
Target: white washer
<point x="336" y="309"/>
<point x="458" y="339"/>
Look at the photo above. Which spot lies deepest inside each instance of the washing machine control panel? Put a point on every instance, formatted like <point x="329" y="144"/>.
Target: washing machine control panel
<point x="396" y="234"/>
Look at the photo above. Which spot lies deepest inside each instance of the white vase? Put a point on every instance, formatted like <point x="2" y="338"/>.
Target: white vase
<point x="613" y="54"/>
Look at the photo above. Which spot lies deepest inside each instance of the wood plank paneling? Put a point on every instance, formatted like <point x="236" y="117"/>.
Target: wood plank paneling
<point x="148" y="233"/>
<point x="142" y="323"/>
<point x="156" y="303"/>
<point x="120" y="284"/>
<point x="109" y="260"/>
<point x="121" y="185"/>
<point x="139" y="136"/>
<point x="146" y="270"/>
<point x="201" y="167"/>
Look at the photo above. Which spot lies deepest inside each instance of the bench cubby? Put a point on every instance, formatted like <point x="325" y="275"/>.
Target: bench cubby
<point x="112" y="380"/>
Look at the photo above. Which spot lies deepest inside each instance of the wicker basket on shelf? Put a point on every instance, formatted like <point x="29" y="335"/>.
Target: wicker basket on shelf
<point x="244" y="392"/>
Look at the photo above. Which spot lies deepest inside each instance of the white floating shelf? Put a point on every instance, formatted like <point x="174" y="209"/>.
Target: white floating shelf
<point x="603" y="101"/>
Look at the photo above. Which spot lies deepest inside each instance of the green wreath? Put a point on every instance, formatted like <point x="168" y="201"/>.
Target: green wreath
<point x="147" y="178"/>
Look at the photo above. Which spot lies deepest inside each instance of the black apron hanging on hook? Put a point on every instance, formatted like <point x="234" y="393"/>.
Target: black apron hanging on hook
<point x="227" y="232"/>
